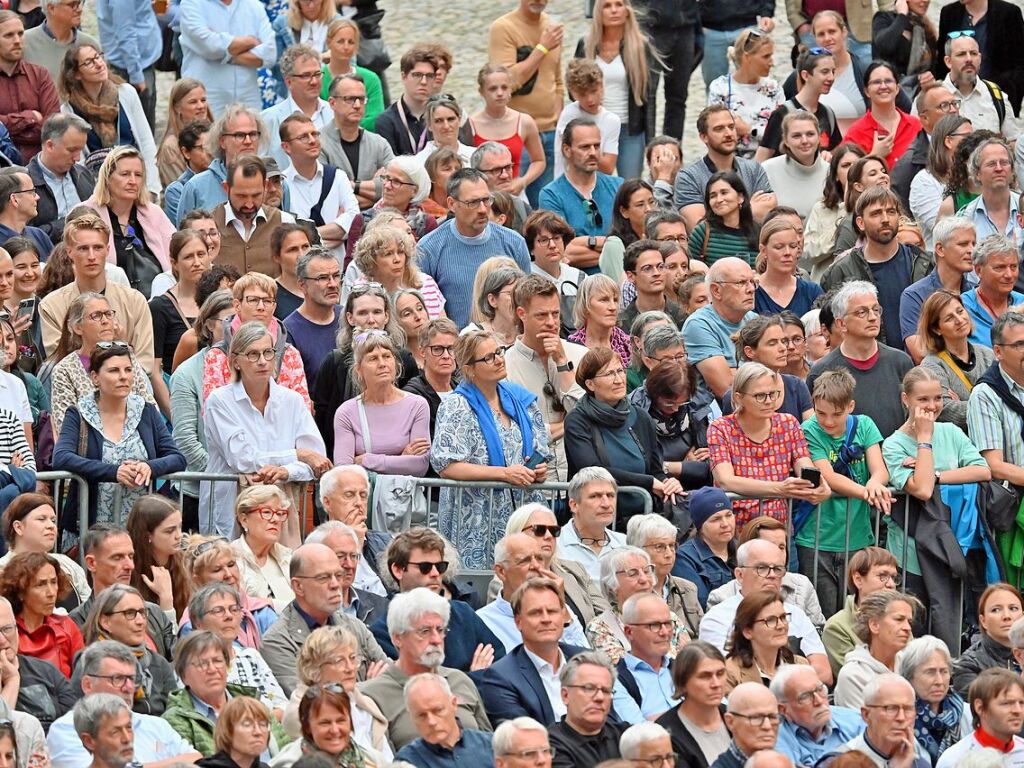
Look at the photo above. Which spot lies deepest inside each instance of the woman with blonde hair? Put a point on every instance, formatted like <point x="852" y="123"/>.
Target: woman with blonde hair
<point x="343" y="38"/>
<point x="186" y="103"/>
<point x="780" y="288"/>
<point x="262" y="511"/>
<point x="619" y="47"/>
<point x="330" y="656"/>
<point x="242" y="728"/>
<point x="140" y="232"/>
<point x="494" y="306"/>
<point x="387" y="255"/>
<point x="596" y="314"/>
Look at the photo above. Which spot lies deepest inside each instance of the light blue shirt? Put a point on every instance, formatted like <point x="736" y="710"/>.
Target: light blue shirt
<point x="799" y="746"/>
<point x="497" y="615"/>
<point x="203" y="190"/>
<point x="571" y="548"/>
<point x="707" y="334"/>
<point x="275" y="115"/>
<point x="207" y="29"/>
<point x="63" y="188"/>
<point x="656" y="690"/>
<point x="155" y="740"/>
<point x="172" y="194"/>
<point x="983" y="321"/>
<point x="977" y="213"/>
<point x="130" y="35"/>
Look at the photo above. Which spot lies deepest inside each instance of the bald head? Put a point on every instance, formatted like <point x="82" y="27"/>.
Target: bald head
<point x="768" y="758"/>
<point x="747" y="697"/>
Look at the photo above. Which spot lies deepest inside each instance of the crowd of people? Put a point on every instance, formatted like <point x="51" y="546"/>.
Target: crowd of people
<point x="402" y="434"/>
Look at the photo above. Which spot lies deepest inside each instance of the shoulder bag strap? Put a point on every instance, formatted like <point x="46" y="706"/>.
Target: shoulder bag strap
<point x="316" y="212"/>
<point x="945" y="357"/>
<point x="364" y="425"/>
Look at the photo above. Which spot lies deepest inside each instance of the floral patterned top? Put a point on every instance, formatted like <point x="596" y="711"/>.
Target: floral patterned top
<point x="752" y="103"/>
<point x="70" y="382"/>
<point x="114" y="499"/>
<point x="771" y="460"/>
<point x="619" y="342"/>
<point x="606" y="635"/>
<point x="217" y="373"/>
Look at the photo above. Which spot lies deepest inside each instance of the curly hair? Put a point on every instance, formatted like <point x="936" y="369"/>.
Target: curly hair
<point x="20" y="573"/>
<point x="373" y="245"/>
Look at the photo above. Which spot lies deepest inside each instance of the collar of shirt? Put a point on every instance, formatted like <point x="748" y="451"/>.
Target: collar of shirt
<point x="986" y="739"/>
<point x="230" y="218"/>
<point x="709" y="163"/>
<point x="1011" y="221"/>
<point x="310" y="621"/>
<point x="352" y="607"/>
<point x="826" y="732"/>
<point x="18" y="69"/>
<point x="634" y="665"/>
<point x="47" y="173"/>
<point x="440" y="749"/>
<point x="950" y="86"/>
<point x="542" y="666"/>
<point x="291" y="175"/>
<point x="1015" y="388"/>
<point x="205" y="709"/>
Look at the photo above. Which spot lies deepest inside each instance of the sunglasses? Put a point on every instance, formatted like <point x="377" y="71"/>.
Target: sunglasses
<point x="556" y="402"/>
<point x="206" y="546"/>
<point x="594" y="213"/>
<point x="540" y="531"/>
<point x="425" y="568"/>
<point x="961" y="33"/>
<point x="111" y="345"/>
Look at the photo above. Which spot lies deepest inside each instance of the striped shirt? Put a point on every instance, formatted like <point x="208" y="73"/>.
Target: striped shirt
<point x="993" y="426"/>
<point x="721" y="242"/>
<point x="12" y="441"/>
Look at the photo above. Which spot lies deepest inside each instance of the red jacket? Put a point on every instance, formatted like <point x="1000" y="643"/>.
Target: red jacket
<point x="57" y="641"/>
<point x="862" y="133"/>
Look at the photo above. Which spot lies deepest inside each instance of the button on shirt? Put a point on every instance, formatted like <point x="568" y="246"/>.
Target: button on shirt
<point x="340" y="206"/>
<point x="656" y="690"/>
<point x="63" y="188"/>
<point x="497" y="615"/>
<point x="549" y="679"/>
<point x="571" y="548"/>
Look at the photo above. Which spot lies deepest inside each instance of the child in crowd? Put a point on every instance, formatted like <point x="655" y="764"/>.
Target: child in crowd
<point x="585" y="82"/>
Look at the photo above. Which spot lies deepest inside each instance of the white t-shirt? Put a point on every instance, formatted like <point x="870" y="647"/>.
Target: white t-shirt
<point x="14" y="397"/>
<point x="845" y="100"/>
<point x="616" y="87"/>
<point x="607" y="123"/>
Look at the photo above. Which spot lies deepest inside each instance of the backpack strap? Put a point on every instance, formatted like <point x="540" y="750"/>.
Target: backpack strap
<point x="316" y="212"/>
<point x="997" y="99"/>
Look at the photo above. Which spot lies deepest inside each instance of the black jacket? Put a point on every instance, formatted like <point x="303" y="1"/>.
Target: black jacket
<point x="418" y="385"/>
<point x="662" y="15"/>
<point x="683" y="742"/>
<point x="1004" y="43"/>
<point x="371" y="606"/>
<point x="46" y="208"/>
<point x="641" y="116"/>
<point x="986" y="653"/>
<point x="914" y="160"/>
<point x="44" y="693"/>
<point x="223" y="760"/>
<point x="735" y="14"/>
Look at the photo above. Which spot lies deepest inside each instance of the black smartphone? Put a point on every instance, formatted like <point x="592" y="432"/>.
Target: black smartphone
<point x="536" y="460"/>
<point x="26" y="307"/>
<point x="811" y="474"/>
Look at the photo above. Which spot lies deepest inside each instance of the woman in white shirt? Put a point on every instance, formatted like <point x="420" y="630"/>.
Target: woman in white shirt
<point x="444" y="118"/>
<point x="257" y="428"/>
<point x="261" y="512"/>
<point x="928" y="189"/>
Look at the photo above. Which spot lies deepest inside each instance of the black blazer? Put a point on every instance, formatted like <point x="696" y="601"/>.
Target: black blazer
<point x="46" y="209"/>
<point x="1004" y="43"/>
<point x="511" y="688"/>
<point x="683" y="742"/>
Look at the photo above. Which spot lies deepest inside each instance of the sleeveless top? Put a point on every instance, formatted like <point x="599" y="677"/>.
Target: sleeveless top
<point x="515" y="144"/>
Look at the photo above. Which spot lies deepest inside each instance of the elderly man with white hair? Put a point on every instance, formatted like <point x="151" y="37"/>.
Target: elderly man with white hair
<point x="645" y="689"/>
<point x="709" y="331"/>
<point x="589" y="536"/>
<point x="522" y="742"/>
<point x="810" y="728"/>
<point x="345" y="494"/>
<point x="417" y="623"/>
<point x="760" y="565"/>
<point x="344" y="541"/>
<point x="888" y="740"/>
<point x="769" y="758"/>
<point x="752" y="717"/>
<point x="657" y="536"/>
<point x="647" y="744"/>
<point x="624" y="573"/>
<point x="442" y="742"/>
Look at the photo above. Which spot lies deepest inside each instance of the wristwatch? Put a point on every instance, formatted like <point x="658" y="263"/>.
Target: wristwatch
<point x="565" y="368"/>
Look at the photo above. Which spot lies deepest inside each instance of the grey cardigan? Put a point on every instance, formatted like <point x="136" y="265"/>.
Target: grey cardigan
<point x="374" y="152"/>
<point x="955" y="411"/>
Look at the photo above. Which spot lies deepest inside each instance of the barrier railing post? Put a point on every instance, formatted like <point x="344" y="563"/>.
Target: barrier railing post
<point x="906" y="541"/>
<point x="817" y="546"/>
<point x="841" y="591"/>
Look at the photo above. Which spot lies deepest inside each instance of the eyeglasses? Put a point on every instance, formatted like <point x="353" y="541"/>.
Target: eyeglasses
<point x="490" y="357"/>
<point x="476" y="202"/>
<point x="499" y="171"/>
<point x="354" y="100"/>
<point x="118" y="681"/>
<point x="863" y="312"/>
<point x="1016" y="346"/>
<point x="259" y="301"/>
<point x="206" y="546"/>
<point x="440" y="350"/>
<point x="546" y="240"/>
<point x="308" y="77"/>
<point x="882" y="81"/>
<point x="243" y="135"/>
<point x="615" y="373"/>
<point x="422" y="77"/>
<point x="635" y="573"/>
<point x="773" y="622"/>
<point x="385" y="179"/>
<point x="108" y="314"/>
<point x="131" y="614"/>
<point x="658" y="760"/>
<point x="653" y="626"/>
<point x="808" y="696"/>
<point x="681" y="239"/>
<point x="892" y="710"/>
<point x="424" y="632"/>
<point x="589" y="689"/>
<point x="349" y="557"/>
<point x="948" y="106"/>
<point x="92" y="62"/>
<point x="425" y="567"/>
<point x="268" y="513"/>
<point x="751" y="283"/>
<point x="322" y="280"/>
<point x="764" y="570"/>
<point x="540" y="531"/>
<point x="364" y="288"/>
<point x="306" y="138"/>
<point x="31" y="191"/>
<point x="531" y="755"/>
<point x="660" y="548"/>
<point x="206" y="665"/>
<point x="758" y="718"/>
<point x="556" y="401"/>
<point x="961" y="33"/>
<point x="255" y="355"/>
<point x="594" y="213"/>
<point x="763" y="398"/>
<point x="220" y="610"/>
<point x="680" y="358"/>
<point x="324" y="579"/>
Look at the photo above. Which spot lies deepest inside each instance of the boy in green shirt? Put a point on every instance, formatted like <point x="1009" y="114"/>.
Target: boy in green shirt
<point x="847" y="450"/>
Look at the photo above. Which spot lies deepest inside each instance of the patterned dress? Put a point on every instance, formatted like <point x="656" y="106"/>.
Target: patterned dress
<point x="474" y="519"/>
<point x="269" y="89"/>
<point x="70" y="382"/>
<point x="752" y="103"/>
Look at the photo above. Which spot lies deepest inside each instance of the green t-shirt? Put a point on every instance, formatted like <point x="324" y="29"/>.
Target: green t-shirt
<point x="834" y="511"/>
<point x="951" y="449"/>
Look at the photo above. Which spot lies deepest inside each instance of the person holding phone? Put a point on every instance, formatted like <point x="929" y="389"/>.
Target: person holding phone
<point x="885" y="130"/>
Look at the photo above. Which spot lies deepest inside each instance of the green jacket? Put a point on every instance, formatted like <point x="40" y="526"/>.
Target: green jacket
<point x="197" y="729"/>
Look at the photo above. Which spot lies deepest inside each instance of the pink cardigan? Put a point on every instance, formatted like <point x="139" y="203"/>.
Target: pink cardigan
<point x="154" y="223"/>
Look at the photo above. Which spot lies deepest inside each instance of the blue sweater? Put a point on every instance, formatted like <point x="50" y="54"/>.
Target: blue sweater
<point x="453" y="259"/>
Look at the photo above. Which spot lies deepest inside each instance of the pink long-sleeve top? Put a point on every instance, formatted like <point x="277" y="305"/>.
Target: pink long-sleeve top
<point x="392" y="428"/>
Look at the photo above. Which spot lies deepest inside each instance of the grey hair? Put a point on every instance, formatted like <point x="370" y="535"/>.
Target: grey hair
<point x="783" y="674"/>
<point x="875" y="606"/>
<point x="637" y="735"/>
<point x="424" y="677"/>
<point x="517" y="520"/>
<point x="660" y="216"/>
<point x="849" y="289"/>
<point x="631" y="608"/>
<point x="974" y="161"/>
<point x="811" y="321"/>
<point x="323" y="531"/>
<point x="417" y="174"/>
<point x="1006" y="320"/>
<point x="409" y="606"/>
<point x="314" y="253"/>
<point x="642" y="528"/>
<point x="993" y="245"/>
<point x="501" y="550"/>
<point x="884" y="680"/>
<point x="1017" y="634"/>
<point x="611" y="562"/>
<point x="493" y="283"/>
<point x="589" y="289"/>
<point x="917" y="652"/>
<point x="292" y="55"/>
<point x="91" y="711"/>
<point x="487" y="148"/>
<point x="220" y="125"/>
<point x="201" y="598"/>
<point x="95" y="654"/>
<point x="56" y="125"/>
<point x="505" y="733"/>
<point x="944" y="229"/>
<point x="744" y="551"/>
<point x="587" y="475"/>
<point x="660" y="338"/>
<point x="567" y="674"/>
<point x="76" y="312"/>
<point x="215" y="303"/>
<point x="329" y="480"/>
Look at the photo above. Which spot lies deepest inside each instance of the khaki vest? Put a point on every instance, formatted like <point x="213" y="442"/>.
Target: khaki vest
<point x="251" y="256"/>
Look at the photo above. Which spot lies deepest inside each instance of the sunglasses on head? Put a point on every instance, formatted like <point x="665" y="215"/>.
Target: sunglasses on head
<point x="961" y="33"/>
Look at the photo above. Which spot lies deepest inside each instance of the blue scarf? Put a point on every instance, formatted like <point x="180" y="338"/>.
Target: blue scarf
<point x="515" y="400"/>
<point x="937" y="732"/>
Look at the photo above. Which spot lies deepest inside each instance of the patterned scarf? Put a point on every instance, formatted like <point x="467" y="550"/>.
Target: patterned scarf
<point x="938" y="731"/>
<point x="101" y="114"/>
<point x="351" y="757"/>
